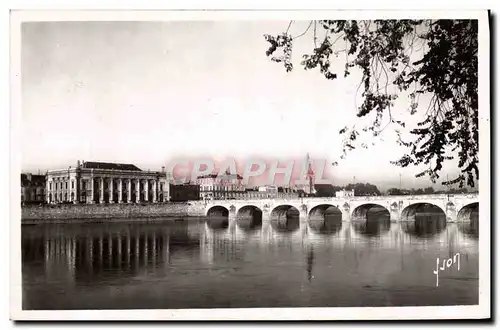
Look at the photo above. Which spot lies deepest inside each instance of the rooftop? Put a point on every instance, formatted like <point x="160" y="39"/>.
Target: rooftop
<point x="226" y="176"/>
<point x="110" y="166"/>
<point x="36" y="179"/>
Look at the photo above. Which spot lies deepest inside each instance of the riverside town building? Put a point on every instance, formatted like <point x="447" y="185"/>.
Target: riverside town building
<point x="32" y="188"/>
<point x="97" y="182"/>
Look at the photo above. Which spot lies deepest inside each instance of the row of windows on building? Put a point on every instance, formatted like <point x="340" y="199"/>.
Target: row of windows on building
<point x="60" y="184"/>
<point x="222" y="188"/>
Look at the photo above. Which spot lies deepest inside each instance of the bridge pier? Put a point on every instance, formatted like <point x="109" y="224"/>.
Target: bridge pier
<point x="303" y="219"/>
<point x="395" y="216"/>
<point x="346" y="215"/>
<point x="451" y="212"/>
<point x="231" y="219"/>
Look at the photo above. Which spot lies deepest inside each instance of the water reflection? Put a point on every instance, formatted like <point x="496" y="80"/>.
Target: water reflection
<point x="331" y="224"/>
<point x="285" y="218"/>
<point x="91" y="252"/>
<point x="310" y="262"/>
<point x="425" y="225"/>
<point x="376" y="224"/>
<point x="249" y="218"/>
<point x="289" y="224"/>
<point x="470" y="227"/>
<point x="204" y="264"/>
<point x="218" y="223"/>
<point x="251" y="224"/>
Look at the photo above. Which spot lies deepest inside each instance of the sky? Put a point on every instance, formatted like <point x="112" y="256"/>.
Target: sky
<point x="148" y="93"/>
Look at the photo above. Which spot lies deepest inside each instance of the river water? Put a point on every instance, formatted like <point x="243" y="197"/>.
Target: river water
<point x="206" y="264"/>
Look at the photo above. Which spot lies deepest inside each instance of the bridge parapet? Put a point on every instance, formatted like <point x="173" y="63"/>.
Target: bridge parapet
<point x="396" y="205"/>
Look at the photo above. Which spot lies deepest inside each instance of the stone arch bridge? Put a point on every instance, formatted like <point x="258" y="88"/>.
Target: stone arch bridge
<point x="400" y="208"/>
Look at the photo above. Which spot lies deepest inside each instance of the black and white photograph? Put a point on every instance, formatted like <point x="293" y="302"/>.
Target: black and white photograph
<point x="250" y="165"/>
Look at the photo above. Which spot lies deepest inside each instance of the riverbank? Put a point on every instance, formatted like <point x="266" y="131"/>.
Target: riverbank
<point x="109" y="212"/>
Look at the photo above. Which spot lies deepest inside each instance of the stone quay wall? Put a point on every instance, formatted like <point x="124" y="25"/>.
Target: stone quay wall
<point x="68" y="212"/>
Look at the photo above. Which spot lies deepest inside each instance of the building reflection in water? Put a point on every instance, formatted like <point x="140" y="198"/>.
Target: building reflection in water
<point x="82" y="253"/>
<point x="217" y="223"/>
<point x="252" y="224"/>
<point x="126" y="251"/>
<point x="310" y="262"/>
<point x="221" y="245"/>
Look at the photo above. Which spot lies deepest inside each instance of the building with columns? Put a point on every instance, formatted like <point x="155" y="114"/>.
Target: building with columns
<point x="98" y="182"/>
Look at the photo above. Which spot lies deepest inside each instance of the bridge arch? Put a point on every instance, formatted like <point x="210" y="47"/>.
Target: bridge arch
<point x="249" y="217"/>
<point x="467" y="212"/>
<point x="325" y="219"/>
<point x="285" y="218"/>
<point x="423" y="220"/>
<point x="217" y="217"/>
<point x="363" y="211"/>
<point x="468" y="220"/>
<point x="409" y="212"/>
<point x="218" y="211"/>
<point x="371" y="219"/>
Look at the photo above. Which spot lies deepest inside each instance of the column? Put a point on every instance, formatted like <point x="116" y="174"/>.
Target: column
<point x="101" y="190"/>
<point x="154" y="191"/>
<point x="111" y="182"/>
<point x="80" y="189"/>
<point x="146" y="190"/>
<point x="77" y="189"/>
<point x="129" y="190"/>
<point x="91" y="189"/>
<point x="48" y="191"/>
<point x="120" y="190"/>
<point x="137" y="191"/>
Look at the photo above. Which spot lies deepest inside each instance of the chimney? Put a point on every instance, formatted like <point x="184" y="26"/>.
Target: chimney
<point x="163" y="169"/>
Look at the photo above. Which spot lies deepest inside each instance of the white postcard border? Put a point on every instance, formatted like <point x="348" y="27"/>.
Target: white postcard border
<point x="362" y="313"/>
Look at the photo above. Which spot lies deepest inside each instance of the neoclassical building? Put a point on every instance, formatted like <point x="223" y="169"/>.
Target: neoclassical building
<point x="98" y="182"/>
